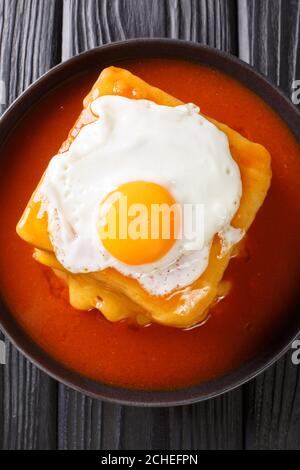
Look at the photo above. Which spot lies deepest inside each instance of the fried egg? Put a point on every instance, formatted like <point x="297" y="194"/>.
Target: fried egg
<point x="149" y="155"/>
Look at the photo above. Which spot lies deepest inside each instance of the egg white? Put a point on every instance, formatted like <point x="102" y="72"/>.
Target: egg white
<point x="138" y="140"/>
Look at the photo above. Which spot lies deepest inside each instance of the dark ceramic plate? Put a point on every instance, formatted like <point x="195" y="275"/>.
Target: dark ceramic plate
<point x="104" y="56"/>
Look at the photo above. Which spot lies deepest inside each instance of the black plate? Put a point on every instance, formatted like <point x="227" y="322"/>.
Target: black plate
<point x="102" y="57"/>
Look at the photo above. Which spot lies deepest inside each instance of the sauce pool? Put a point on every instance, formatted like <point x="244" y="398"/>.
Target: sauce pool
<point x="265" y="278"/>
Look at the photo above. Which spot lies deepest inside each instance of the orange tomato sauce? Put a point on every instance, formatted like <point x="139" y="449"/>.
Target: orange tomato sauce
<point x="265" y="278"/>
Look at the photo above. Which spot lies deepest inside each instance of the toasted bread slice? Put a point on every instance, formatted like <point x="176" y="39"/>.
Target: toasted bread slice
<point x="117" y="296"/>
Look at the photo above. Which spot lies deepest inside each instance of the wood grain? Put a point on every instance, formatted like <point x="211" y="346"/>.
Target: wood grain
<point x="89" y="23"/>
<point x="29" y="46"/>
<point x="217" y="424"/>
<point x="269" y="40"/>
<point x="213" y="425"/>
<point x="272" y="405"/>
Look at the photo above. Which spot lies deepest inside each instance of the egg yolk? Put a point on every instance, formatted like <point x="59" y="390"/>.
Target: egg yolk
<point x="139" y="222"/>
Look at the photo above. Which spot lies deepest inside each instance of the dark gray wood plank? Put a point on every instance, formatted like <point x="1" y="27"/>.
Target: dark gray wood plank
<point x="213" y="425"/>
<point x="86" y="423"/>
<point x="30" y="33"/>
<point x="269" y="40"/>
<point x="89" y="23"/>
<point x="272" y="404"/>
<point x="144" y="428"/>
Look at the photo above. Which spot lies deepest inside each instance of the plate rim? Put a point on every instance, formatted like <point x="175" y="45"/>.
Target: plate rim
<point x="125" y="396"/>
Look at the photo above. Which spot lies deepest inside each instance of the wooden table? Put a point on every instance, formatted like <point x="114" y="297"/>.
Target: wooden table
<point x="35" y="411"/>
